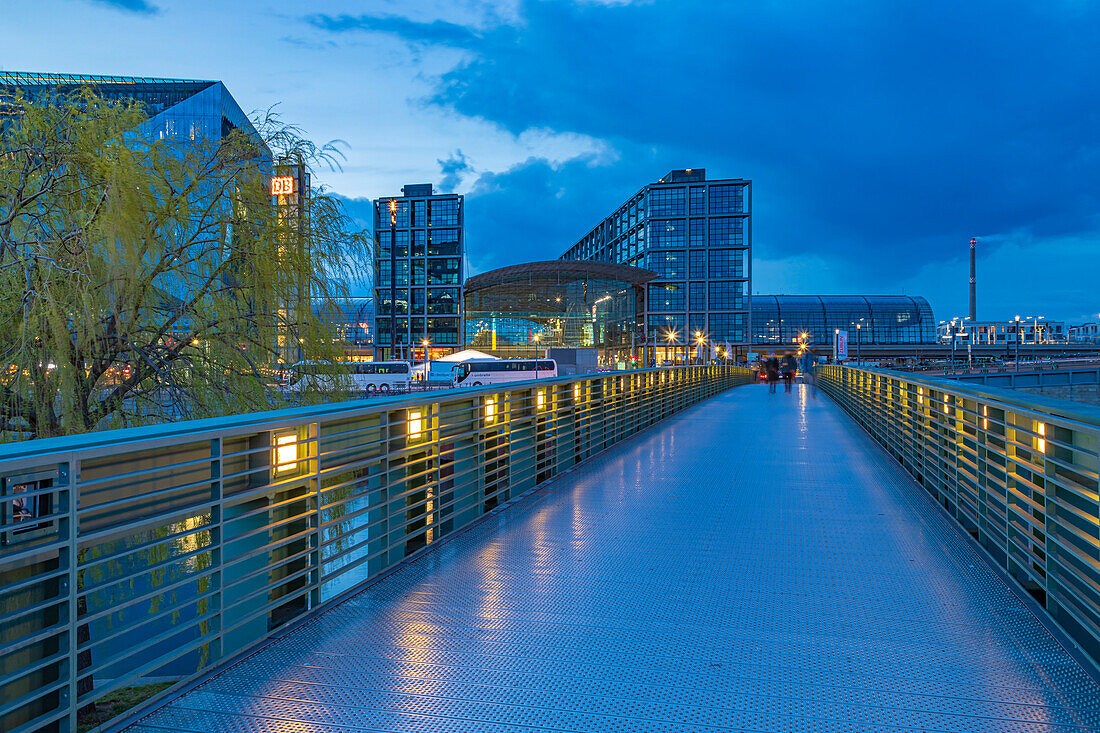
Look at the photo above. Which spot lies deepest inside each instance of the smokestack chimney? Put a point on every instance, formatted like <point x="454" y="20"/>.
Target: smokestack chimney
<point x="973" y="291"/>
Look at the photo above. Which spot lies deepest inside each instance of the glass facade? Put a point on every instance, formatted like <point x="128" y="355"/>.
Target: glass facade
<point x="419" y="273"/>
<point x="882" y="319"/>
<point x="352" y="320"/>
<point x="191" y="112"/>
<point x="521" y="310"/>
<point x="175" y="107"/>
<point x="696" y="235"/>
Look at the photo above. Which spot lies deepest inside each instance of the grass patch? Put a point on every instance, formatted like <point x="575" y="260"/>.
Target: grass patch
<point x="116" y="704"/>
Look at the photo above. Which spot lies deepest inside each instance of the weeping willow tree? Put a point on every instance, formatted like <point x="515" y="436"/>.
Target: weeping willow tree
<point x="147" y="279"/>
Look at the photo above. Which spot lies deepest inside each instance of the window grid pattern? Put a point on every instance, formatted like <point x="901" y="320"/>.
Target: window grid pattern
<point x="426" y="241"/>
<point x="666" y="202"/>
<point x="781" y="319"/>
<point x="643" y="231"/>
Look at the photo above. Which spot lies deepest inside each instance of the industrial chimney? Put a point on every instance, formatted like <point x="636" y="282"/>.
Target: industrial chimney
<point x="973" y="292"/>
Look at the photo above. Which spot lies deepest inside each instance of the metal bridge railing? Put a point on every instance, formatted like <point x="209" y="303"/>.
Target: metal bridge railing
<point x="151" y="554"/>
<point x="1017" y="471"/>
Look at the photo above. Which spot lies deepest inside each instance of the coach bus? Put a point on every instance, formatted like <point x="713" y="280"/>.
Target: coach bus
<point x="365" y="376"/>
<point x="477" y="373"/>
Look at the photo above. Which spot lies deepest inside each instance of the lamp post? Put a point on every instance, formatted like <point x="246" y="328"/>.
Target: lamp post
<point x="859" y="343"/>
<point x="536" y="350"/>
<point x="951" y="336"/>
<point x="670" y="337"/>
<point x="427" y="362"/>
<point x="836" y="345"/>
<point x="1017" y="343"/>
<point x="393" y="278"/>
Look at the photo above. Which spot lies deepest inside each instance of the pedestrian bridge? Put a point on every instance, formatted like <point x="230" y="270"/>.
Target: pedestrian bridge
<point x="753" y="562"/>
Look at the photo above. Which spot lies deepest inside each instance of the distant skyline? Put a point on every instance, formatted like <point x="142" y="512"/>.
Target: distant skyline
<point x="879" y="137"/>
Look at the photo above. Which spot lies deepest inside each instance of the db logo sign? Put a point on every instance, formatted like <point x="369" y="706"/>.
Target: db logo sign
<point x="282" y="186"/>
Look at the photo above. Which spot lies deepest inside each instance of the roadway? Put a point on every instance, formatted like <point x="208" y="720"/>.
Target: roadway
<point x="755" y="563"/>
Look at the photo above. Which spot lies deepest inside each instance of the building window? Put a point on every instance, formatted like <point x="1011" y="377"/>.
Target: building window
<point x="386" y="217"/>
<point x="663" y="325"/>
<point x="698" y="263"/>
<point x="666" y="298"/>
<point x="444" y="213"/>
<point x="726" y="296"/>
<point x="667" y="234"/>
<point x="727" y="199"/>
<point x="726" y="232"/>
<point x="443" y="271"/>
<point x="727" y="263"/>
<point x="727" y="327"/>
<point x="666" y="202"/>
<point x="698" y="233"/>
<point x="697" y="323"/>
<point x="670" y="265"/>
<point x="698" y="200"/>
<point x="443" y="242"/>
<point x="442" y="302"/>
<point x="698" y="299"/>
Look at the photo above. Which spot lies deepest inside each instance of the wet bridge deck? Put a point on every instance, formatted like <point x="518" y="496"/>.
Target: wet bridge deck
<point x="755" y="563"/>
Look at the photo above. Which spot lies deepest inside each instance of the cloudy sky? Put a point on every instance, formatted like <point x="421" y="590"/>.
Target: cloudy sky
<point x="880" y="136"/>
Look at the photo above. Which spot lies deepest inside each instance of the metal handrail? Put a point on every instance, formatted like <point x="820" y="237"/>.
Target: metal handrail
<point x="1019" y="472"/>
<point x="158" y="552"/>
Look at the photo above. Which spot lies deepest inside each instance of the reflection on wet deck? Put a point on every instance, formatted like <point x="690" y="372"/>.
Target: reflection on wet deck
<point x="754" y="563"/>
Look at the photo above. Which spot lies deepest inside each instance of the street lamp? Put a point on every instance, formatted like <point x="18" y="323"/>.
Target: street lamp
<point x="701" y="340"/>
<point x="859" y="340"/>
<point x="670" y="337"/>
<point x="1017" y="343"/>
<point x="427" y="362"/>
<point x="536" y="338"/>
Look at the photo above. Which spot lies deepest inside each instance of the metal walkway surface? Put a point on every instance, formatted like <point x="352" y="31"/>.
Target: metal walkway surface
<point x="753" y="564"/>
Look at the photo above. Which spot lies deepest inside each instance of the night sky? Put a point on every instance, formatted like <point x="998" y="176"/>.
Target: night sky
<point x="880" y="136"/>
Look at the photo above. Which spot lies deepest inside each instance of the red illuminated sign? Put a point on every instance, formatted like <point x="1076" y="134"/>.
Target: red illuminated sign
<point x="282" y="186"/>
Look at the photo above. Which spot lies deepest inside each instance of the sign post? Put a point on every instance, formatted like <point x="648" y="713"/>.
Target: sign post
<point x="840" y="345"/>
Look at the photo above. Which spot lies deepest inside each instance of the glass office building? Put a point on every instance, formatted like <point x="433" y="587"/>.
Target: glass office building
<point x="418" y="275"/>
<point x="189" y="111"/>
<point x="779" y="320"/>
<point x="696" y="234"/>
<point x="352" y="321"/>
<point x="185" y="108"/>
<point x="520" y="311"/>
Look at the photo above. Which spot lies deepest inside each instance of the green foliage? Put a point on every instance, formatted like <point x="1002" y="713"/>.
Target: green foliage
<point x="148" y="279"/>
<point x="116" y="704"/>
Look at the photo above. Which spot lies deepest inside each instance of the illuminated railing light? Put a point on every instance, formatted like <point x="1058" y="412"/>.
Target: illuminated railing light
<point x="286" y="453"/>
<point x="416" y="424"/>
<point x="540" y="399"/>
<point x="576" y="391"/>
<point x="985" y="417"/>
<point x="490" y="409"/>
<point x="1042" y="441"/>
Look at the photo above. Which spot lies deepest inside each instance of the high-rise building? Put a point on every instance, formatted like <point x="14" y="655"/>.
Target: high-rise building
<point x="419" y="273"/>
<point x="696" y="234"/>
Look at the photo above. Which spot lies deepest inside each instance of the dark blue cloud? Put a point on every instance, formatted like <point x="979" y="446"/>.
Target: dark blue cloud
<point x="436" y="32"/>
<point x="880" y="136"/>
<point x="133" y="6"/>
<point x="452" y="169"/>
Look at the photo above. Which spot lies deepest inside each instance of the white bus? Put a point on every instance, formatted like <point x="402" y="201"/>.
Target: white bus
<point x="476" y="373"/>
<point x="363" y="376"/>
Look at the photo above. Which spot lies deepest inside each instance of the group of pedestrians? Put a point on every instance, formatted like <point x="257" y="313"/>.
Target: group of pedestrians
<point x="787" y="367"/>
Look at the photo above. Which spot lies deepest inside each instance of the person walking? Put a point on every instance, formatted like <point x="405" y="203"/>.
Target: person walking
<point x="809" y="376"/>
<point x="771" y="371"/>
<point x="788" y="367"/>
